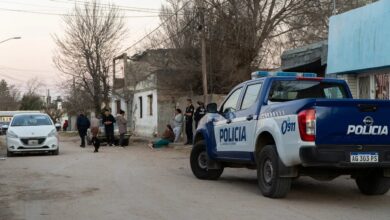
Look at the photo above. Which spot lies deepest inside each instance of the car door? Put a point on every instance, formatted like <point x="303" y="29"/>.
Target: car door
<point x="234" y="136"/>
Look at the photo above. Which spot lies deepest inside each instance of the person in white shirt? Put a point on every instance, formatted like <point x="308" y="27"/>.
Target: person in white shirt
<point x="178" y="124"/>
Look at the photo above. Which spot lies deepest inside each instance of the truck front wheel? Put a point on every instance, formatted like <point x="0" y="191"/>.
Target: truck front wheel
<point x="270" y="184"/>
<point x="373" y="184"/>
<point x="199" y="160"/>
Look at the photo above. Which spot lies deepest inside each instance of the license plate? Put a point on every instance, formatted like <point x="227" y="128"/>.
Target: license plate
<point x="32" y="142"/>
<point x="364" y="157"/>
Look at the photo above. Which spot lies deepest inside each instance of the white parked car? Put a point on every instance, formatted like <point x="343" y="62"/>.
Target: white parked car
<point x="32" y="132"/>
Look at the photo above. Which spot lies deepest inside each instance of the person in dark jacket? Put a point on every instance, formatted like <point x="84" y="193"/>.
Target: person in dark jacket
<point x="82" y="124"/>
<point x="199" y="113"/>
<point x="108" y="121"/>
<point x="189" y="118"/>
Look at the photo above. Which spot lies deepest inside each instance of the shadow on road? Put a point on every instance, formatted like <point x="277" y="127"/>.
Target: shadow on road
<point x="341" y="190"/>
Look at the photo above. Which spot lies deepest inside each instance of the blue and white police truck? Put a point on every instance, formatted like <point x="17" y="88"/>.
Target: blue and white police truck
<point x="286" y="125"/>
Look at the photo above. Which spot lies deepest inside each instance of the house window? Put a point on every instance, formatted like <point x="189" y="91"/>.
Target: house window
<point x="140" y="106"/>
<point x="150" y="103"/>
<point x="382" y="86"/>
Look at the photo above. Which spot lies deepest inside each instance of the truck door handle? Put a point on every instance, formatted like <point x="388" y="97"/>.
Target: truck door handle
<point x="228" y="121"/>
<point x="367" y="108"/>
<point x="249" y="118"/>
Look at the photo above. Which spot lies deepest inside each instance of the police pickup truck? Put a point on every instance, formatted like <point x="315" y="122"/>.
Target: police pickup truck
<point x="286" y="125"/>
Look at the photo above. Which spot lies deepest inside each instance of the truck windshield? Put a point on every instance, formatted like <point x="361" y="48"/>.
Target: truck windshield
<point x="282" y="91"/>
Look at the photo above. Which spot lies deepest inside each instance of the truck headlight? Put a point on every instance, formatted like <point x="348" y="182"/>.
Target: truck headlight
<point x="11" y="134"/>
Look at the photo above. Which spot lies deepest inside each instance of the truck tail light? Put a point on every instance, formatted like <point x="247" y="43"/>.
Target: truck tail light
<point x="307" y="124"/>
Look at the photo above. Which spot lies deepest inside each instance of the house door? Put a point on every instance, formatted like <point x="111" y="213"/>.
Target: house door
<point x="364" y="87"/>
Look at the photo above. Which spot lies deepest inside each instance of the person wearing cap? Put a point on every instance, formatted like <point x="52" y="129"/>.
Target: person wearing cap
<point x="199" y="113"/>
<point x="189" y="114"/>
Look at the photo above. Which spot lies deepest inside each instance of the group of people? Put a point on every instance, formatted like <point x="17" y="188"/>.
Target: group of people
<point x="190" y="115"/>
<point x="108" y="120"/>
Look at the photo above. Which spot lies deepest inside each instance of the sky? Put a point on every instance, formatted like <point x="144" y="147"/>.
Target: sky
<point x="36" y="21"/>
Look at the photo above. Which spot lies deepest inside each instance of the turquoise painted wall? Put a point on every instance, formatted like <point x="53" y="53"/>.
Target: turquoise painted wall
<point x="360" y="39"/>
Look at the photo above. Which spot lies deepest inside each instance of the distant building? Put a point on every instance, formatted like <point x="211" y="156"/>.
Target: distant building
<point x="310" y="58"/>
<point x="154" y="84"/>
<point x="359" y="49"/>
<point x="150" y="85"/>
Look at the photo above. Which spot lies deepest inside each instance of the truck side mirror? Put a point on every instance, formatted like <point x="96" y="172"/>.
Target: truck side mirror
<point x="212" y="108"/>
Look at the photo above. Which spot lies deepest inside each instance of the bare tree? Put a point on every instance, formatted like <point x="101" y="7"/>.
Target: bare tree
<point x="92" y="37"/>
<point x="34" y="86"/>
<point x="313" y="25"/>
<point x="238" y="32"/>
<point x="10" y="96"/>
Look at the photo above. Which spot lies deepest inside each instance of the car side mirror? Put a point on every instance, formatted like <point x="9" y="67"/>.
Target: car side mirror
<point x="212" y="108"/>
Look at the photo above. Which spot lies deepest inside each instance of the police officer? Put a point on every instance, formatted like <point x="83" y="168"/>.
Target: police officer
<point x="199" y="113"/>
<point x="189" y="116"/>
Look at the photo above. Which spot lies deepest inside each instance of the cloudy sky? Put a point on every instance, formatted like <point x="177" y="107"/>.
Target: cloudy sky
<point x="35" y="21"/>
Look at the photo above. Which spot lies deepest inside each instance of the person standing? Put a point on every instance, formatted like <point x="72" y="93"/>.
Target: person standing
<point x="177" y="124"/>
<point x="189" y="117"/>
<point x="199" y="113"/>
<point x="108" y="121"/>
<point x="82" y="126"/>
<point x="122" y="127"/>
<point x="95" y="124"/>
<point x="65" y="125"/>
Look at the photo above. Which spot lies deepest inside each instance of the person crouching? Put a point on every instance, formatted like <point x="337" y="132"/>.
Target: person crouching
<point x="167" y="137"/>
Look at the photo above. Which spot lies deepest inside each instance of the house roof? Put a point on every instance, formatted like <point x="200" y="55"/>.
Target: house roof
<point x="305" y="55"/>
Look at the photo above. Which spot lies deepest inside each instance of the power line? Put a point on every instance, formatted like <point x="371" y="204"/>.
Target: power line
<point x="122" y="7"/>
<point x="68" y="15"/>
<point x="24" y="70"/>
<point x="154" y="30"/>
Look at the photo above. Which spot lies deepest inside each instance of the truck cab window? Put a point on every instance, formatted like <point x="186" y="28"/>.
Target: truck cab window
<point x="251" y="94"/>
<point x="282" y="91"/>
<point x="230" y="104"/>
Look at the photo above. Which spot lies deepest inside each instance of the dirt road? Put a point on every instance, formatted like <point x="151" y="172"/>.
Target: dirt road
<point x="139" y="183"/>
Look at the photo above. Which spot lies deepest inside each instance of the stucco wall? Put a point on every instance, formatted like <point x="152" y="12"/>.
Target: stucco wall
<point x="167" y="105"/>
<point x="147" y="125"/>
<point x="359" y="39"/>
<point x="351" y="79"/>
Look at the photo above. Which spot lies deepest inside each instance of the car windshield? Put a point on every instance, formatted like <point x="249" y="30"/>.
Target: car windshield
<point x="282" y="91"/>
<point x="31" y="120"/>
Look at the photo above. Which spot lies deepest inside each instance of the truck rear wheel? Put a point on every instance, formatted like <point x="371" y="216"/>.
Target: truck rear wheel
<point x="270" y="184"/>
<point x="373" y="184"/>
<point x="199" y="160"/>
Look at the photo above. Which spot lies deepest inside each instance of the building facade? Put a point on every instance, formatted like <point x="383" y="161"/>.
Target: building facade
<point x="153" y="83"/>
<point x="358" y="50"/>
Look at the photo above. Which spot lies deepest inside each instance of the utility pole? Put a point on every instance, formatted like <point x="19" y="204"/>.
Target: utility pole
<point x="203" y="42"/>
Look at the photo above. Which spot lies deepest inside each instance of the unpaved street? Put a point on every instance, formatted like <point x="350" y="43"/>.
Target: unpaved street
<point x="139" y="183"/>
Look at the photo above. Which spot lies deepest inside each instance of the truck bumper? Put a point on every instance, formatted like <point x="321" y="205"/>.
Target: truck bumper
<point x="339" y="156"/>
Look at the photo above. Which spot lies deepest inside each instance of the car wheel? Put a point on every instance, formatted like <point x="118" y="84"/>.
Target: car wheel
<point x="199" y="160"/>
<point x="269" y="182"/>
<point x="9" y="153"/>
<point x="56" y="152"/>
<point x="373" y="184"/>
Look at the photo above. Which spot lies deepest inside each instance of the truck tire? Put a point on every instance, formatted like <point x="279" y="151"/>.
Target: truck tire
<point x="373" y="183"/>
<point x="198" y="161"/>
<point x="269" y="182"/>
